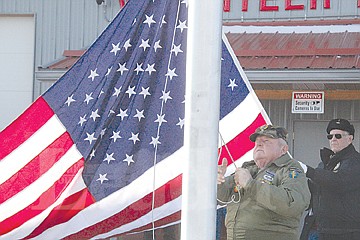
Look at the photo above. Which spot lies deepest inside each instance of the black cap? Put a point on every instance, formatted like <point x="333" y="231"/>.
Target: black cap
<point x="341" y="124"/>
<point x="270" y="131"/>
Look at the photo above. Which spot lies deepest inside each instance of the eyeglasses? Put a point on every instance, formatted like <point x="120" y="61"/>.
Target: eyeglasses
<point x="337" y="136"/>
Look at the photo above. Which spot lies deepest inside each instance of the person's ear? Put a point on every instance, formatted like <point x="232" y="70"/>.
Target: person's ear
<point x="284" y="149"/>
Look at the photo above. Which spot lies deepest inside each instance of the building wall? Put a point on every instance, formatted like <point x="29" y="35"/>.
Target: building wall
<point x="75" y="24"/>
<point x="62" y="24"/>
<point x="279" y="112"/>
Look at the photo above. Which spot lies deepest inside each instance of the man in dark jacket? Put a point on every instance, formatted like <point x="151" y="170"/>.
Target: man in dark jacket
<point x="335" y="185"/>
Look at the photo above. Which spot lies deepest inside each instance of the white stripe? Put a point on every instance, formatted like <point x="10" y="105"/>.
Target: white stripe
<point x="159" y="213"/>
<point x="76" y="185"/>
<point x="22" y="155"/>
<point x="239" y="119"/>
<point x="44" y="182"/>
<point x="119" y="200"/>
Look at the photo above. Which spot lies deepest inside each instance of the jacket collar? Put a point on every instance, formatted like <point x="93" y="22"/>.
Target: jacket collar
<point x="283" y="160"/>
<point x="346" y="151"/>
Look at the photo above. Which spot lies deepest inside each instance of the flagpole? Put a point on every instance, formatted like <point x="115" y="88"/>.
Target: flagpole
<point x="203" y="64"/>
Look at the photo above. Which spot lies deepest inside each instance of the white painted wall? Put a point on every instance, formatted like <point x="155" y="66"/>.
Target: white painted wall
<point x="17" y="36"/>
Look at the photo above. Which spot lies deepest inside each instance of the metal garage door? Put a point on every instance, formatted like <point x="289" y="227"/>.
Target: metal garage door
<point x="17" y="43"/>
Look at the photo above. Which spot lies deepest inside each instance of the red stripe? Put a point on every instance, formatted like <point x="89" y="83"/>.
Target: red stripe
<point x="24" y="126"/>
<point x="159" y="223"/>
<point x="241" y="144"/>
<point x="43" y="202"/>
<point x="164" y="194"/>
<point x="65" y="211"/>
<point x="37" y="167"/>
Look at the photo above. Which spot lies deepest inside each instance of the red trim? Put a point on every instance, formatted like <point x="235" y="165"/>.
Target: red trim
<point x="313" y="4"/>
<point x="297" y="52"/>
<point x="122" y="3"/>
<point x="358" y="4"/>
<point x="289" y="6"/>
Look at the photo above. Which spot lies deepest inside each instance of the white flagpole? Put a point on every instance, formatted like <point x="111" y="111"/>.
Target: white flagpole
<point x="203" y="73"/>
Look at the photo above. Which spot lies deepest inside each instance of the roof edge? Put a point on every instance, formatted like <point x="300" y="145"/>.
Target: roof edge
<point x="292" y="23"/>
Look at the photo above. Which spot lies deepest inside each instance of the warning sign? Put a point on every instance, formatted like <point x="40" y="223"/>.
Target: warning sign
<point x="307" y="102"/>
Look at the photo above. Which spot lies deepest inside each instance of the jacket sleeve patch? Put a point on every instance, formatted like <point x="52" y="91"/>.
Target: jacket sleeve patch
<point x="294" y="172"/>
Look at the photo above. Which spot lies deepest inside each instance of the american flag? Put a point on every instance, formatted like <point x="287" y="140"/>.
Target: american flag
<point x="100" y="153"/>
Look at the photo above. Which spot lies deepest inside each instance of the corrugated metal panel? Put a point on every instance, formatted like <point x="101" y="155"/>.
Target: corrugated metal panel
<point x="62" y="24"/>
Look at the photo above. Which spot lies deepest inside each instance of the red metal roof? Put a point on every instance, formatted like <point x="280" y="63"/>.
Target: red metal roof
<point x="297" y="50"/>
<point x="280" y="51"/>
<point x="71" y="56"/>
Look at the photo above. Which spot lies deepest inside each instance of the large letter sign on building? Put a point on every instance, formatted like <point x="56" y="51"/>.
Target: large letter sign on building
<point x="307" y="102"/>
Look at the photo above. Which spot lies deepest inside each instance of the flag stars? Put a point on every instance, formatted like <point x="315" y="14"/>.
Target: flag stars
<point x="122" y="68"/>
<point x="138" y="68"/>
<point x="232" y="84"/>
<point x="70" y="100"/>
<point x="108" y="71"/>
<point x="144" y="44"/>
<point x="181" y="123"/>
<point x="88" y="98"/>
<point x="150" y="68"/>
<point x="157" y="45"/>
<point x="127" y="45"/>
<point x="145" y="92"/>
<point x="123" y="114"/>
<point x="155" y="141"/>
<point x="115" y="48"/>
<point x="111" y="112"/>
<point x="149" y="20"/>
<point x="93" y="74"/>
<point x="102" y="178"/>
<point x="176" y="49"/>
<point x="102" y="133"/>
<point x="117" y="91"/>
<point x="139" y="114"/>
<point x="166" y="96"/>
<point x="134" y="137"/>
<point x="90" y="138"/>
<point x="131" y="91"/>
<point x="160" y="119"/>
<point x="94" y="114"/>
<point x="171" y="73"/>
<point x="101" y="92"/>
<point x="82" y="120"/>
<point x="115" y="136"/>
<point x="163" y="21"/>
<point x="109" y="158"/>
<point x="92" y="154"/>
<point x="182" y="25"/>
<point x="128" y="159"/>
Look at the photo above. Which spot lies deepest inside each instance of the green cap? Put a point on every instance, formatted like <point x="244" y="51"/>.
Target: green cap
<point x="270" y="131"/>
